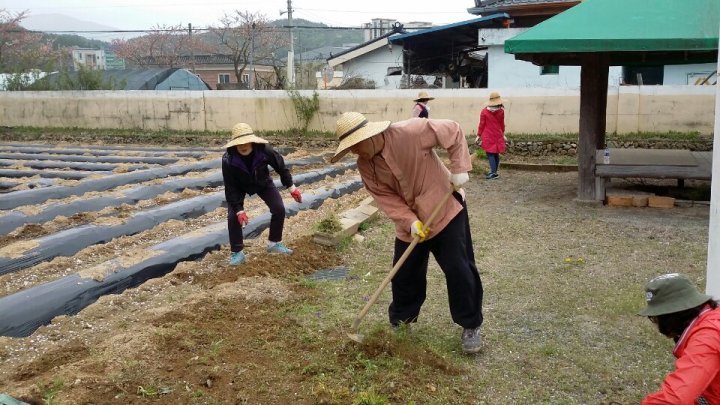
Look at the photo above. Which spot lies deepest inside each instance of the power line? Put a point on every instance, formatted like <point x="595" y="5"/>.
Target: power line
<point x="278" y="28"/>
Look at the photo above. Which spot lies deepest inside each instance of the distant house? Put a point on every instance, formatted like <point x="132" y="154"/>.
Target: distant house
<point x="376" y="62"/>
<point x="218" y="71"/>
<point x="93" y="59"/>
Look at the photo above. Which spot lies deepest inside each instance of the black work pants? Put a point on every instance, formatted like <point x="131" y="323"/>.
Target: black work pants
<point x="453" y="251"/>
<point x="274" y="201"/>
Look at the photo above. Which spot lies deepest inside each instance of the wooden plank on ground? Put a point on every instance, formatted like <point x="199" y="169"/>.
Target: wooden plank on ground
<point x="661" y="202"/>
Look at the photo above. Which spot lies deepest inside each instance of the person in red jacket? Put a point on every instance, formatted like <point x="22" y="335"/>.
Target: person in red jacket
<point x="491" y="132"/>
<point x="692" y="320"/>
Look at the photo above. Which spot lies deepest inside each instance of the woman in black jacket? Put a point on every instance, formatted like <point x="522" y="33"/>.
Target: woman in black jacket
<point x="245" y="172"/>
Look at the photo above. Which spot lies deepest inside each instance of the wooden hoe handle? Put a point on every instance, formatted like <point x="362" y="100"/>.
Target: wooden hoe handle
<point x="391" y="274"/>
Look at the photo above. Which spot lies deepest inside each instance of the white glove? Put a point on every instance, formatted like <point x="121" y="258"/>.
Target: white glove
<point x="459" y="179"/>
<point x="417" y="229"/>
<point x="461" y="191"/>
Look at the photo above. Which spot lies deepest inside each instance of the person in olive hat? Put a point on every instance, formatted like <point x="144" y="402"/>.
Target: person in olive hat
<point x="692" y="320"/>
<point x="245" y="172"/>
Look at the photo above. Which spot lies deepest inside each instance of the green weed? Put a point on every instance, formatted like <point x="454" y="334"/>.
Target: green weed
<point x="51" y="390"/>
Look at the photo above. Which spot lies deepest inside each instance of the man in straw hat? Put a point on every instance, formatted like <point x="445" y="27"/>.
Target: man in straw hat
<point x="692" y="320"/>
<point x="245" y="172"/>
<point x="421" y="108"/>
<point x="407" y="179"/>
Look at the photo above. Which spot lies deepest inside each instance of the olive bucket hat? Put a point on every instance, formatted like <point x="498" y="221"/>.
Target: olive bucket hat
<point x="671" y="293"/>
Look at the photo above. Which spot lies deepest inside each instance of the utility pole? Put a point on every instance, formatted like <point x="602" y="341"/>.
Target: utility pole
<point x="252" y="51"/>
<point x="192" y="49"/>
<point x="291" y="52"/>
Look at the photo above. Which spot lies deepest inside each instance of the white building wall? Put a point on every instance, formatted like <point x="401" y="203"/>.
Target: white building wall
<point x="374" y="66"/>
<point x="688" y="74"/>
<point x="505" y="71"/>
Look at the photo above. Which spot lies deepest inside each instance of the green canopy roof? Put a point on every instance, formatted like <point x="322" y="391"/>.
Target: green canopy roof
<point x="682" y="31"/>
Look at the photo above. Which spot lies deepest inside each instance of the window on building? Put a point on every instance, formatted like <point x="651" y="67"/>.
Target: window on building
<point x="224" y="78"/>
<point x="643" y="75"/>
<point x="549" y="70"/>
<point x="394" y="71"/>
<point x="246" y="78"/>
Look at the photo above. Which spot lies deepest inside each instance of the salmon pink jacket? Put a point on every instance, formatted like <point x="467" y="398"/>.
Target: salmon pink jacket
<point x="408" y="179"/>
<point x="697" y="368"/>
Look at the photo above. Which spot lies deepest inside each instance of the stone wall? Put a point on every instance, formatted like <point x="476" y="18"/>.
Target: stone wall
<point x="553" y="148"/>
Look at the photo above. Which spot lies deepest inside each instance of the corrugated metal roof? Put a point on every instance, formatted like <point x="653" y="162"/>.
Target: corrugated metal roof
<point x="462" y="25"/>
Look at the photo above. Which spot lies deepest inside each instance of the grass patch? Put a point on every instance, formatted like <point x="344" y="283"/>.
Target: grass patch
<point x="560" y="312"/>
<point x="50" y="391"/>
<point x="329" y="225"/>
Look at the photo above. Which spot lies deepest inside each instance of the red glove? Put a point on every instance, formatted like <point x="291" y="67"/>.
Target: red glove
<point x="296" y="195"/>
<point x="242" y="218"/>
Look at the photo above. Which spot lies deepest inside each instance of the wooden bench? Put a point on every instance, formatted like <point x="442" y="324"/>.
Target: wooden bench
<point x="677" y="164"/>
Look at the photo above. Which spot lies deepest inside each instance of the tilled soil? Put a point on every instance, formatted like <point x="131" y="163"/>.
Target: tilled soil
<point x="211" y="333"/>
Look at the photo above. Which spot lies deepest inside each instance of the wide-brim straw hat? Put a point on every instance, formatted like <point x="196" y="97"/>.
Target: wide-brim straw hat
<point x="494" y="99"/>
<point x="353" y="128"/>
<point x="423" y="96"/>
<point x="243" y="133"/>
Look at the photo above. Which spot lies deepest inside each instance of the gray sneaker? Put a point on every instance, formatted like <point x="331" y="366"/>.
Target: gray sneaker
<point x="471" y="340"/>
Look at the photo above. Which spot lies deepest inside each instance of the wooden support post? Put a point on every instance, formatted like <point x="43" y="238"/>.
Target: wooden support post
<point x="593" y="107"/>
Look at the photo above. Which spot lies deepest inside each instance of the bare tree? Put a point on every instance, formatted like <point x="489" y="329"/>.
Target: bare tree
<point x="237" y="34"/>
<point x="164" y="46"/>
<point x="22" y="50"/>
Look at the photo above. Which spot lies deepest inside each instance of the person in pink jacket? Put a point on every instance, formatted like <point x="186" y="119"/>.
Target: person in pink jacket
<point x="400" y="169"/>
<point x="421" y="108"/>
<point x="491" y="132"/>
<point x="692" y="320"/>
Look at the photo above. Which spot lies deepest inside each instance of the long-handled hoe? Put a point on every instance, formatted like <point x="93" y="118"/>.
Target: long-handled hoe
<point x="354" y="335"/>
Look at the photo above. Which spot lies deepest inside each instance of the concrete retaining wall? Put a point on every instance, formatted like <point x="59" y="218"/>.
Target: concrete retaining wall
<point x="528" y="110"/>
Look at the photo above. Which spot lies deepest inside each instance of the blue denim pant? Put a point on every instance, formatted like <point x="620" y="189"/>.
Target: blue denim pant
<point x="494" y="160"/>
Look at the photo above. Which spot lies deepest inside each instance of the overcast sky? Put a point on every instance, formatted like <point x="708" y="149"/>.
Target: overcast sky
<point x="144" y="14"/>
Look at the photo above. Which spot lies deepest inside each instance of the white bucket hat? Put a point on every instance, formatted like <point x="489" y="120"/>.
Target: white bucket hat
<point x="353" y="128"/>
<point x="243" y="133"/>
